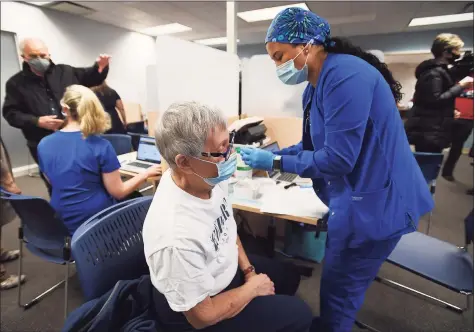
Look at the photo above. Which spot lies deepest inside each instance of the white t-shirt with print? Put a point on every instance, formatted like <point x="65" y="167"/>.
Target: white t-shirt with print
<point x="190" y="244"/>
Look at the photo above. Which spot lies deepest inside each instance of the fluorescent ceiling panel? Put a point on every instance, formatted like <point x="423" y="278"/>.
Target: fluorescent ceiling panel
<point x="166" y="29"/>
<point x="441" y="19"/>
<point x="267" y="14"/>
<point x="39" y="3"/>
<point x="214" y="41"/>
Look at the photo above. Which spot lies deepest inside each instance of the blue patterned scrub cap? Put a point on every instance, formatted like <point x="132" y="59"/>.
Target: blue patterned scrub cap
<point x="298" y="26"/>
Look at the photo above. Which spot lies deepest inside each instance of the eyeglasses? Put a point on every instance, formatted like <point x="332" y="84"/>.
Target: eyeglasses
<point x="226" y="154"/>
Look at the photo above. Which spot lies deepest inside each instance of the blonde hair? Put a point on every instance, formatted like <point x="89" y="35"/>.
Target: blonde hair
<point x="85" y="108"/>
<point x="446" y="41"/>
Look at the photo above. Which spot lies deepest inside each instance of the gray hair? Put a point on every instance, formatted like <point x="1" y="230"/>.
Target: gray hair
<point x="184" y="129"/>
<point x="25" y="41"/>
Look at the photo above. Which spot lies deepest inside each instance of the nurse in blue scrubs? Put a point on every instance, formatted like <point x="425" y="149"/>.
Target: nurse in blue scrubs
<point x="355" y="150"/>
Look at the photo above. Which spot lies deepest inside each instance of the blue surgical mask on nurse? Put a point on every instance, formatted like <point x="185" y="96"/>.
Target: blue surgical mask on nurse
<point x="290" y="75"/>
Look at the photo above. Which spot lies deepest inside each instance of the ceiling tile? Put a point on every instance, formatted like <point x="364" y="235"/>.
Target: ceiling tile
<point x="208" y="19"/>
<point x="123" y="23"/>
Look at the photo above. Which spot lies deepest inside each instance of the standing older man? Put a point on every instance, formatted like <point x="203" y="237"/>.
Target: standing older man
<point x="197" y="263"/>
<point x="33" y="95"/>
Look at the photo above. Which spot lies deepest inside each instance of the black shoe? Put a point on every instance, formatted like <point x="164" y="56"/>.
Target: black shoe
<point x="449" y="178"/>
<point x="470" y="192"/>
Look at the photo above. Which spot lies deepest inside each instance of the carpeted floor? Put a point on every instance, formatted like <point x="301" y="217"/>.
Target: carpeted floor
<point x="385" y="308"/>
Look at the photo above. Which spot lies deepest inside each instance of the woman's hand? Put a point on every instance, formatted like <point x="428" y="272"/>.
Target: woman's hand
<point x="456" y="114"/>
<point x="261" y="285"/>
<point x="249" y="275"/>
<point x="258" y="158"/>
<point x="466" y="82"/>
<point x="154" y="170"/>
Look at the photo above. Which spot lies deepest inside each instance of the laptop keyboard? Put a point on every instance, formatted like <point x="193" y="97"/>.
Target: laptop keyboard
<point x="136" y="164"/>
<point x="287" y="177"/>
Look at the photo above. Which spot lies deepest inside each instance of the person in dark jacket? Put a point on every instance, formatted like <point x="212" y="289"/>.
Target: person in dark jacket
<point x="462" y="127"/>
<point x="430" y="124"/>
<point x="33" y="94"/>
<point x="112" y="104"/>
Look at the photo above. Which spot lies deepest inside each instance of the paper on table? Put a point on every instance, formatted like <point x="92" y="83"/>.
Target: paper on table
<point x="302" y="202"/>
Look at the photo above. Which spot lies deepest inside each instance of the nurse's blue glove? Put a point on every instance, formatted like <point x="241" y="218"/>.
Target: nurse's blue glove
<point x="258" y="158"/>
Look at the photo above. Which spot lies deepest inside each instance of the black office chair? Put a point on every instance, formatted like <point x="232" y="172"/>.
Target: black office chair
<point x="135" y="130"/>
<point x="122" y="144"/>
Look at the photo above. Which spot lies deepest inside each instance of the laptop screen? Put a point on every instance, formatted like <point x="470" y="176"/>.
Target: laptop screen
<point x="147" y="150"/>
<point x="271" y="147"/>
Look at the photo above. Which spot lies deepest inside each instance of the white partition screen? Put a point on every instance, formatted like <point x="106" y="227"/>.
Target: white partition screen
<point x="187" y="71"/>
<point x="263" y="94"/>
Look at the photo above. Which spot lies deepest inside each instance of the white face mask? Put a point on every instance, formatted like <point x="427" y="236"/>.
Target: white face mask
<point x="63" y="105"/>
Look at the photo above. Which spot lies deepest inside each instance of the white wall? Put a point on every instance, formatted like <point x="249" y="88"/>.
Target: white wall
<point x="405" y="74"/>
<point x="78" y="41"/>
<point x="188" y="71"/>
<point x="263" y="94"/>
<point x="409" y="41"/>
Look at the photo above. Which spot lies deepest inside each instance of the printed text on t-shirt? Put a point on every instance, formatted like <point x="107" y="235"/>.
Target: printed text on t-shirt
<point x="220" y="232"/>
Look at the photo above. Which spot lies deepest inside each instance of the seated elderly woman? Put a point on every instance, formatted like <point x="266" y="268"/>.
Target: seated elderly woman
<point x="197" y="263"/>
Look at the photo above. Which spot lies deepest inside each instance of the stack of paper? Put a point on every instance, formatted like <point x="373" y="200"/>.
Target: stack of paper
<point x="238" y="124"/>
<point x="302" y="202"/>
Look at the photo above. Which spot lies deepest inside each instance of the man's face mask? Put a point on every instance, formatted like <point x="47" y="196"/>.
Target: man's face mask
<point x="39" y="65"/>
<point x="290" y="75"/>
<point x="453" y="57"/>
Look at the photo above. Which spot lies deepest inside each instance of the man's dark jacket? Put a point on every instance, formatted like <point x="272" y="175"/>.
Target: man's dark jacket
<point x="432" y="115"/>
<point x="29" y="96"/>
<point x="128" y="307"/>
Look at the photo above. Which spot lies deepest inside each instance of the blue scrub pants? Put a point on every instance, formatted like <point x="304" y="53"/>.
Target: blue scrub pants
<point x="347" y="274"/>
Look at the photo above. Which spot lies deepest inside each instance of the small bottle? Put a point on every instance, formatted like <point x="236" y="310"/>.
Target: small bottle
<point x="243" y="171"/>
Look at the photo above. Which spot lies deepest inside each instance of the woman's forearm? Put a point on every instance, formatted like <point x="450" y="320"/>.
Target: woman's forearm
<point x="221" y="307"/>
<point x="243" y="260"/>
<point x="131" y="185"/>
<point x="233" y="303"/>
<point x="122" y="113"/>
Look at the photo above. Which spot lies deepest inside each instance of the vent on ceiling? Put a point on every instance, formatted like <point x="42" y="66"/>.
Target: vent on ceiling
<point x="70" y="7"/>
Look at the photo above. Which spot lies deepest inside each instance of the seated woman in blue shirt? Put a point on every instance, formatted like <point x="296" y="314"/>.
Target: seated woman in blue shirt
<point x="355" y="150"/>
<point x="82" y="167"/>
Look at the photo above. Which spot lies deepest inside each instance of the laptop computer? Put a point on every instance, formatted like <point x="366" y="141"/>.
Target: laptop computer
<point x="277" y="175"/>
<point x="147" y="155"/>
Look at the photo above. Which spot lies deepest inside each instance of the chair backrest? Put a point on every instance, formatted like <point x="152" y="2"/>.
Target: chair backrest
<point x="135" y="140"/>
<point x="42" y="227"/>
<point x="109" y="247"/>
<point x="137" y="128"/>
<point x="430" y="164"/>
<point x="121" y="143"/>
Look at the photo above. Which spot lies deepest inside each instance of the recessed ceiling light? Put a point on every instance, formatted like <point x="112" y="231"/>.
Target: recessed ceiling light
<point x="267" y="14"/>
<point x="441" y="19"/>
<point x="166" y="29"/>
<point x="214" y="41"/>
